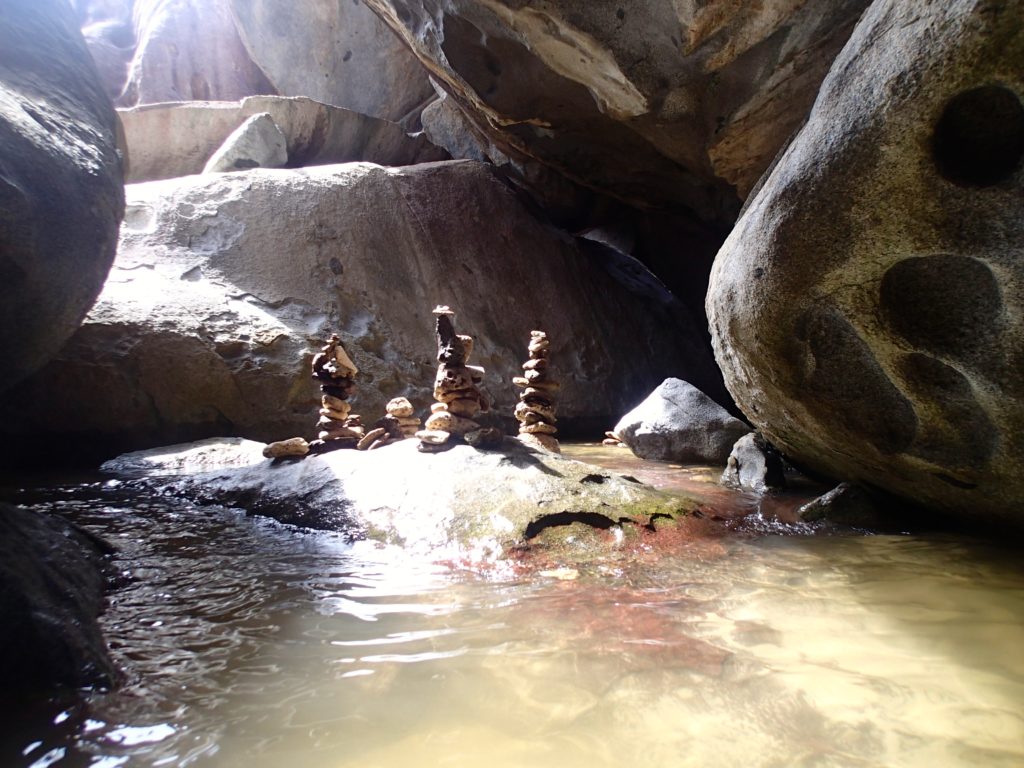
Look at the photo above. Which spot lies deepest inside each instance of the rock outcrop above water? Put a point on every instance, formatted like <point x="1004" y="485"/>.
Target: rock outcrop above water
<point x="753" y="465"/>
<point x="339" y="53"/>
<point x="52" y="585"/>
<point x="225" y="282"/>
<point x="656" y="102"/>
<point x="868" y="308"/>
<point x="462" y="505"/>
<point x="846" y="504"/>
<point x="678" y="422"/>
<point x="169" y="140"/>
<point x="61" y="198"/>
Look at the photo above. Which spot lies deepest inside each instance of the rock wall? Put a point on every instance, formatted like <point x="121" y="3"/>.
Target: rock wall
<point x="867" y="308"/>
<point x="336" y="52"/>
<point x="169" y="140"/>
<point x="189" y="50"/>
<point x="61" y="198"/>
<point x="657" y="103"/>
<point x="226" y="283"/>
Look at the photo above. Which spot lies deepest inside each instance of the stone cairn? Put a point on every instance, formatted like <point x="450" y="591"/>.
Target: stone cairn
<point x="535" y="410"/>
<point x="398" y="424"/>
<point x="457" y="392"/>
<point x="338" y="427"/>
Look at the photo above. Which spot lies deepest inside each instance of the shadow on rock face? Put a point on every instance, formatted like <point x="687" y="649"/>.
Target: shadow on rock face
<point x="52" y="584"/>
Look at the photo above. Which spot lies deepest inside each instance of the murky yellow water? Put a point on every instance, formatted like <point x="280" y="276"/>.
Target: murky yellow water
<point x="247" y="643"/>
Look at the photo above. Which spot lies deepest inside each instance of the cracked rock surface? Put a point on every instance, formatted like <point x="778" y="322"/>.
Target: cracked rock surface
<point x="868" y="309"/>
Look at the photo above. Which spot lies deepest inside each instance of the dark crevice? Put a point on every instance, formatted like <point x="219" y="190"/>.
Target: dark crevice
<point x="655" y="518"/>
<point x="568" y="518"/>
<point x="979" y="139"/>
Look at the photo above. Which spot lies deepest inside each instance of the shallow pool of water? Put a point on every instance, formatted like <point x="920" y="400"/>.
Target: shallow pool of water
<point x="248" y="643"/>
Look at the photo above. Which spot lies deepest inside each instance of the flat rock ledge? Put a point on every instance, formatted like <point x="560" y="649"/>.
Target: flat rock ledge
<point x="464" y="505"/>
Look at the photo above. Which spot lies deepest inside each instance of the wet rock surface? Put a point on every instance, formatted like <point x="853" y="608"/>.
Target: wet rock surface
<point x="52" y="584"/>
<point x="846" y="504"/>
<point x="61" y="195"/>
<point x="678" y="422"/>
<point x="225" y="282"/>
<point x="463" y="503"/>
<point x="866" y="310"/>
<point x="753" y="465"/>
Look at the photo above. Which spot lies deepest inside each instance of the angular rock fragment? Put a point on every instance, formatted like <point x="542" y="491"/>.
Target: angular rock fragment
<point x="678" y="422"/>
<point x="337" y="427"/>
<point x="753" y="465"/>
<point x="256" y="143"/>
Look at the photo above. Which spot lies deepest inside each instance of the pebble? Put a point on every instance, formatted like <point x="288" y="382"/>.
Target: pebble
<point x="399" y="407"/>
<point x="370" y="438"/>
<point x="293" y="446"/>
<point x="433" y="436"/>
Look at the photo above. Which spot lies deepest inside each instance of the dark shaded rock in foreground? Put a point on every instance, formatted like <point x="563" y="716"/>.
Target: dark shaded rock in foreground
<point x="52" y="584"/>
<point x="678" y="422"/>
<point x="868" y="308"/>
<point x="460" y="505"/>
<point x="61" y="194"/>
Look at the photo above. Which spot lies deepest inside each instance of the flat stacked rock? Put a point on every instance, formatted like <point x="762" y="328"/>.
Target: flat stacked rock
<point x="457" y="392"/>
<point x="398" y="424"/>
<point x="612" y="439"/>
<point x="338" y="427"/>
<point x="536" y="408"/>
<point x="401" y="410"/>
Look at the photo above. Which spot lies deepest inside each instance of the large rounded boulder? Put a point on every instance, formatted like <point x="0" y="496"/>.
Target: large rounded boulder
<point x="61" y="194"/>
<point x="868" y="309"/>
<point x="225" y="284"/>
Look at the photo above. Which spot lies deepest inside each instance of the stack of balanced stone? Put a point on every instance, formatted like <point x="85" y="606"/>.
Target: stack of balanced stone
<point x="401" y="410"/>
<point x="457" y="392"/>
<point x="398" y="424"/>
<point x="338" y="427"/>
<point x="536" y="408"/>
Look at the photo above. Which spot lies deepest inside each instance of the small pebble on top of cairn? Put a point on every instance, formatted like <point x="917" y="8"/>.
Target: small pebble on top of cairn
<point x="338" y="427"/>
<point x="536" y="408"/>
<point x="457" y="393"/>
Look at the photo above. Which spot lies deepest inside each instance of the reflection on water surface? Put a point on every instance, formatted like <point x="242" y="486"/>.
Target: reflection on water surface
<point x="247" y="643"/>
